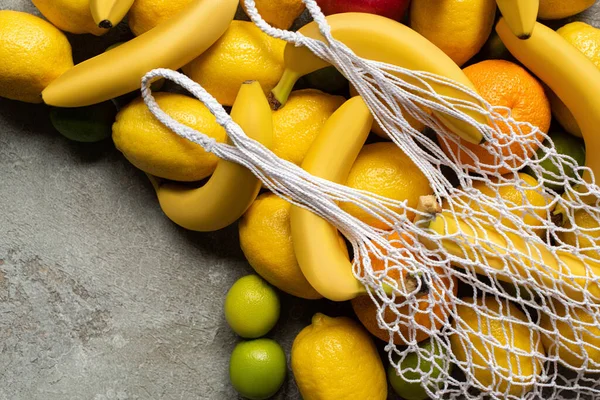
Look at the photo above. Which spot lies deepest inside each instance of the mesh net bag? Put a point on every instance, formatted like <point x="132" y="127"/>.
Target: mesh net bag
<point x="526" y="321"/>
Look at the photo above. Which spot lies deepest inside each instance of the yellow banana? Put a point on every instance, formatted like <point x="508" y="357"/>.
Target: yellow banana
<point x="232" y="188"/>
<point x="316" y="243"/>
<point x="520" y="15"/>
<point x="108" y="13"/>
<point x="172" y="44"/>
<point x="381" y="39"/>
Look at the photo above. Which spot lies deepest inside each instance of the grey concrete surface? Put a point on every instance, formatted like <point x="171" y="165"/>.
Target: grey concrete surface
<point x="101" y="297"/>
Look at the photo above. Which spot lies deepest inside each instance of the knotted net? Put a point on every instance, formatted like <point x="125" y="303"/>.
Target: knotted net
<point x="512" y="310"/>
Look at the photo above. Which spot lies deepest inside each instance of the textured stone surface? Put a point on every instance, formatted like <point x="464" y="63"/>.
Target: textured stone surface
<point x="101" y="297"/>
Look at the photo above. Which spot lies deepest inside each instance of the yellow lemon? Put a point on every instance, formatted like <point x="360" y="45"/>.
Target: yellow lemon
<point x="146" y="14"/>
<point x="459" y="27"/>
<point x="70" y="15"/>
<point x="384" y="169"/>
<point x="154" y="149"/>
<point x="243" y="53"/>
<point x="588" y="226"/>
<point x="478" y="346"/>
<point x="297" y="124"/>
<point x="586" y="39"/>
<point x="280" y="14"/>
<point x="335" y="358"/>
<point x="558" y="9"/>
<point x="33" y="54"/>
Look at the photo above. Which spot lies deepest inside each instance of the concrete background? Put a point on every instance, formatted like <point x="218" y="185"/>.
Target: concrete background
<point x="102" y="297"/>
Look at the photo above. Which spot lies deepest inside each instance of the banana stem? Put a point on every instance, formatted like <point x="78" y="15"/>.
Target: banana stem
<point x="427" y="208"/>
<point x="280" y="94"/>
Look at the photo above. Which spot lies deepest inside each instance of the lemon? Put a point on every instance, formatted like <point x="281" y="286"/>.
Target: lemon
<point x="251" y="307"/>
<point x="33" y="54"/>
<point x="257" y="368"/>
<point x="567" y="337"/>
<point x="493" y="366"/>
<point x="586" y="39"/>
<point x="243" y="53"/>
<point x="85" y="124"/>
<point x="557" y="9"/>
<point x="70" y="15"/>
<point x="587" y="225"/>
<point x="146" y="14"/>
<point x="280" y="14"/>
<point x="335" y="358"/>
<point x="266" y="240"/>
<point x="459" y="27"/>
<point x="154" y="149"/>
<point x="297" y="124"/>
<point x="384" y="169"/>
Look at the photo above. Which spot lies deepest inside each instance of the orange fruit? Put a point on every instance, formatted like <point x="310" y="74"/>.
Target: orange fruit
<point x="429" y="317"/>
<point x="503" y="83"/>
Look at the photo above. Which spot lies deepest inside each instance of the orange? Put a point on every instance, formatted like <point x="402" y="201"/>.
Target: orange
<point x="429" y="317"/>
<point x="502" y="83"/>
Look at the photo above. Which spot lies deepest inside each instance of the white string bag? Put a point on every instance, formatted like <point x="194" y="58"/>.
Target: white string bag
<point x="494" y="368"/>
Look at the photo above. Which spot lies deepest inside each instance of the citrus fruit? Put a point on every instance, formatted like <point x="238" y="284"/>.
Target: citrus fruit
<point x="586" y="39"/>
<point x="558" y="9"/>
<point x="415" y="367"/>
<point x="266" y="240"/>
<point x="328" y="80"/>
<point x="503" y="83"/>
<point x="146" y="14"/>
<point x="251" y="307"/>
<point x="280" y="14"/>
<point x="458" y="27"/>
<point x="574" y="339"/>
<point x="153" y="148"/>
<point x="484" y="327"/>
<point x="243" y="53"/>
<point x="70" y="15"/>
<point x="85" y="124"/>
<point x="33" y="54"/>
<point x="335" y="358"/>
<point x="384" y="169"/>
<point x="297" y="124"/>
<point x="257" y="368"/>
<point x="587" y="225"/>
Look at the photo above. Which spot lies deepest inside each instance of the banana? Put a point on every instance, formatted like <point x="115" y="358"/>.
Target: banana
<point x="520" y="15"/>
<point x="381" y="39"/>
<point x="536" y="262"/>
<point x="323" y="262"/>
<point x="172" y="44"/>
<point x="232" y="188"/>
<point x="108" y="13"/>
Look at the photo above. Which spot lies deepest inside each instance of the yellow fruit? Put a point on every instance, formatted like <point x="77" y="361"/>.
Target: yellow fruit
<point x="491" y="364"/>
<point x="298" y="123"/>
<point x="587" y="226"/>
<point x="146" y="14"/>
<point x="155" y="149"/>
<point x="243" y="53"/>
<point x="557" y="9"/>
<point x="586" y="39"/>
<point x="383" y="169"/>
<point x="266" y="241"/>
<point x="280" y="14"/>
<point x="33" y="54"/>
<point x="72" y="16"/>
<point x="335" y="358"/>
<point x="459" y="27"/>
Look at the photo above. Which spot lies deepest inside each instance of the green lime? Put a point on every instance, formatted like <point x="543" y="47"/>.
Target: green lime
<point x="414" y="370"/>
<point x="494" y="49"/>
<point x="328" y="80"/>
<point x="257" y="368"/>
<point x="251" y="307"/>
<point x="85" y="124"/>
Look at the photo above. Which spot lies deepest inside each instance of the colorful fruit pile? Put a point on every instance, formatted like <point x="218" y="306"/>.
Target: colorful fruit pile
<point x="305" y="121"/>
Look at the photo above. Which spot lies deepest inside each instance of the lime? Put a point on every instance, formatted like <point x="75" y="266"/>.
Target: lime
<point x="85" y="124"/>
<point x="494" y="49"/>
<point x="251" y="307"/>
<point x="328" y="80"/>
<point x="415" y="370"/>
<point x="257" y="368"/>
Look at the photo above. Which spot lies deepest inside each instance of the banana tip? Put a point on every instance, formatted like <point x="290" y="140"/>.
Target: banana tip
<point x="524" y="36"/>
<point x="106" y="24"/>
<point x="273" y="102"/>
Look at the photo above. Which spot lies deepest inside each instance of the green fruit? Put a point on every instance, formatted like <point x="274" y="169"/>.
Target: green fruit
<point x="412" y="366"/>
<point x="251" y="307"/>
<point x="257" y="368"/>
<point x="328" y="80"/>
<point x="494" y="49"/>
<point x="85" y="124"/>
